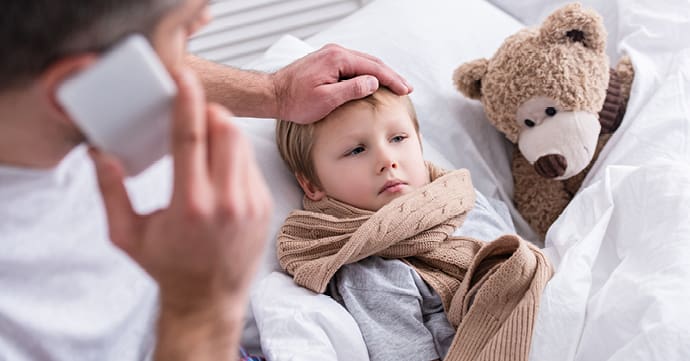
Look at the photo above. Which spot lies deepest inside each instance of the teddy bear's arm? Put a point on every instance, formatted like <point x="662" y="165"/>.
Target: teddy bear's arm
<point x="539" y="200"/>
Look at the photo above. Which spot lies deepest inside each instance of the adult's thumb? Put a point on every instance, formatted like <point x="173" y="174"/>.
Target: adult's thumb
<point x="122" y="220"/>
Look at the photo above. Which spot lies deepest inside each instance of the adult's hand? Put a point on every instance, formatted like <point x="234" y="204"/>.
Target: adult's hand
<point x="311" y="87"/>
<point x="204" y="248"/>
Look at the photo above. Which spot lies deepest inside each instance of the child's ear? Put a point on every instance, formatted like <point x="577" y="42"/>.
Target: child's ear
<point x="312" y="191"/>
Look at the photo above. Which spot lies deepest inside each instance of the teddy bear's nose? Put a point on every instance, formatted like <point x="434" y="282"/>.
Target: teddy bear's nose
<point x="551" y="166"/>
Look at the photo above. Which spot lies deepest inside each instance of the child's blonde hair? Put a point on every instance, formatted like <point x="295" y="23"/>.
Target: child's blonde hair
<point x="295" y="141"/>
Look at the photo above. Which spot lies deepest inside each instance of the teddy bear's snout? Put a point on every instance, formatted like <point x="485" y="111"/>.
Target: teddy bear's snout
<point x="551" y="165"/>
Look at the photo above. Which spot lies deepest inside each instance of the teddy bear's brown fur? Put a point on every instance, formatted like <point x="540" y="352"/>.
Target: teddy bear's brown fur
<point x="551" y="92"/>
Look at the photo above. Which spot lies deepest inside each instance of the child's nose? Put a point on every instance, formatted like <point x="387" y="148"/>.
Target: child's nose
<point x="387" y="157"/>
<point x="386" y="163"/>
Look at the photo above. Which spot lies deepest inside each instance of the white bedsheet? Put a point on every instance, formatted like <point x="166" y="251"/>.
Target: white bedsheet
<point x="622" y="247"/>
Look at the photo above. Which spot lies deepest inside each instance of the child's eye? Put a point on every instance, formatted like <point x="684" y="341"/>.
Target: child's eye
<point x="398" y="138"/>
<point x="355" y="151"/>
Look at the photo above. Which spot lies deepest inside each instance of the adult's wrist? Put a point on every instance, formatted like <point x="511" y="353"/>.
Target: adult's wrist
<point x="208" y="332"/>
<point x="271" y="96"/>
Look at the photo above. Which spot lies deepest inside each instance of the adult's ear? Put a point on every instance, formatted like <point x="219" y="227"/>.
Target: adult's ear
<point x="312" y="191"/>
<point x="50" y="80"/>
<point x="468" y="77"/>
<point x="574" y="24"/>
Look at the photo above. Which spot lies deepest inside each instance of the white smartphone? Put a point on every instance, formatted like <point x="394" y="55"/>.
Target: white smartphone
<point x="123" y="103"/>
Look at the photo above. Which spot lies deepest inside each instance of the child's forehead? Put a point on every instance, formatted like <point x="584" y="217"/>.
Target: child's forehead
<point x="372" y="108"/>
<point x="361" y="118"/>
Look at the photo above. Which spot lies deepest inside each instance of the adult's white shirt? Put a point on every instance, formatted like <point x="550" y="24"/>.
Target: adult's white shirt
<point x="66" y="293"/>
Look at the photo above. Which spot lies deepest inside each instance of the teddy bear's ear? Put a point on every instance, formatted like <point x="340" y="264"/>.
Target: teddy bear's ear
<point x="468" y="77"/>
<point x="572" y="23"/>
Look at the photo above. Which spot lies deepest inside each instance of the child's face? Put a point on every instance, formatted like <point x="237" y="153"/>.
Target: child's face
<point x="366" y="156"/>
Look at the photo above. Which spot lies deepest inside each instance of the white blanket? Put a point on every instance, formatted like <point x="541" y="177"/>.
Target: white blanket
<point x="622" y="250"/>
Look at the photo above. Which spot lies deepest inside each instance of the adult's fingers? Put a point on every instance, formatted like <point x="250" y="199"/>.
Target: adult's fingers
<point x="122" y="220"/>
<point x="255" y="178"/>
<point x="189" y="135"/>
<point x="346" y="90"/>
<point x="228" y="151"/>
<point x="260" y="207"/>
<point x="355" y="63"/>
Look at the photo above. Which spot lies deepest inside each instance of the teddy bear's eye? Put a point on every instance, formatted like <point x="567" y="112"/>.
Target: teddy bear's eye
<point x="529" y="123"/>
<point x="550" y="111"/>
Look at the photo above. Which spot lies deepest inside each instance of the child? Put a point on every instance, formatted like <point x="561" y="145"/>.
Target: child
<point x="360" y="158"/>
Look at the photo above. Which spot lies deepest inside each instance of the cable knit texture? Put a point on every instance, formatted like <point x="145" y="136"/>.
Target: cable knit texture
<point x="490" y="291"/>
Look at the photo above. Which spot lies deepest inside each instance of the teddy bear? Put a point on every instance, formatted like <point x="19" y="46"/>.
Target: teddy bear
<point x="550" y="91"/>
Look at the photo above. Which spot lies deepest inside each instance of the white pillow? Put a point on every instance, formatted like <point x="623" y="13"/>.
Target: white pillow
<point x="287" y="196"/>
<point x="298" y="324"/>
<point x="286" y="193"/>
<point x="424" y="41"/>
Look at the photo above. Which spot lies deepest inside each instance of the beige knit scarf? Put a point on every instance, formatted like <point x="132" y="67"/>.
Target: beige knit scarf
<point x="490" y="291"/>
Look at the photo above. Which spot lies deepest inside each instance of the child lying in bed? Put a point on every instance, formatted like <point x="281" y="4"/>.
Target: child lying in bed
<point x="363" y="156"/>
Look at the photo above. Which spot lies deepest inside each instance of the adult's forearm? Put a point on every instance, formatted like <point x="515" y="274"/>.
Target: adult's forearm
<point x="246" y="93"/>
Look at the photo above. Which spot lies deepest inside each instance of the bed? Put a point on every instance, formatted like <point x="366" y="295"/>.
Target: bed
<point x="621" y="248"/>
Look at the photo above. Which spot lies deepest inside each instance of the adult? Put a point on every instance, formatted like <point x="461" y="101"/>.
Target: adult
<point x="67" y="292"/>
